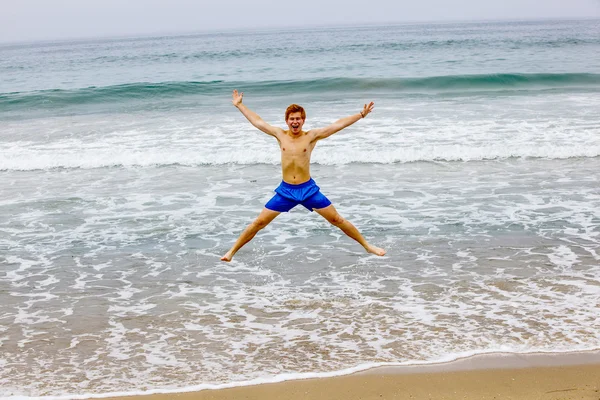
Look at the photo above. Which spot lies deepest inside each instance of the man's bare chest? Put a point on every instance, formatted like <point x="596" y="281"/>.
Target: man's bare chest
<point x="296" y="146"/>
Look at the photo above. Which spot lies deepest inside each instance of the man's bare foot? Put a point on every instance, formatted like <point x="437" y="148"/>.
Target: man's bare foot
<point x="227" y="257"/>
<point x="375" y="250"/>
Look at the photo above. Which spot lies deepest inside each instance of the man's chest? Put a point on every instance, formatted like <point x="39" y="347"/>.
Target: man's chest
<point x="296" y="147"/>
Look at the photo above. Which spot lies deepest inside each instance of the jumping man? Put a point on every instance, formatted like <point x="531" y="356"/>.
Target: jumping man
<point x="297" y="186"/>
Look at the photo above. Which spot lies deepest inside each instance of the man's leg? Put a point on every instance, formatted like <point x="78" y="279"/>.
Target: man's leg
<point x="331" y="215"/>
<point x="263" y="219"/>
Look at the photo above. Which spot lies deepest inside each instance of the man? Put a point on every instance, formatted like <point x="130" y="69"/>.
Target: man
<point x="297" y="186"/>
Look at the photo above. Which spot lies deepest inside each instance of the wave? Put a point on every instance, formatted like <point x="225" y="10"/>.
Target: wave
<point x="28" y="160"/>
<point x="59" y="98"/>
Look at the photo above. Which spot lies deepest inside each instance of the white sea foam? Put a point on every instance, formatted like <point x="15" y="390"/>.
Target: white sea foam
<point x="24" y="158"/>
<point x="148" y="300"/>
<point x="396" y="133"/>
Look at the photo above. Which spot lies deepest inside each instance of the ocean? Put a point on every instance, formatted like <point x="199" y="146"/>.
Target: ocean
<point x="127" y="173"/>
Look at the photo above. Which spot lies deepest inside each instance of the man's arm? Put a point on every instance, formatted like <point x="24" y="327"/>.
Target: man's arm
<point x="322" y="133"/>
<point x="253" y="117"/>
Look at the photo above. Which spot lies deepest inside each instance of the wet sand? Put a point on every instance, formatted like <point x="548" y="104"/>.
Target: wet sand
<point x="498" y="376"/>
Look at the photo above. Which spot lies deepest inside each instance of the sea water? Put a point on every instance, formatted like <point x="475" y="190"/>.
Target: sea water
<point x="126" y="174"/>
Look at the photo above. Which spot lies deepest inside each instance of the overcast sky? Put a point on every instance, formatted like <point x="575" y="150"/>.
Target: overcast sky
<point x="25" y="20"/>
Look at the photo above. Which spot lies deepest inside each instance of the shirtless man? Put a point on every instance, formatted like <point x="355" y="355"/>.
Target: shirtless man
<point x="297" y="186"/>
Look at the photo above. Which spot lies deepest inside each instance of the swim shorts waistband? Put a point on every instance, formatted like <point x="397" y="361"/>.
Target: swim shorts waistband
<point x="309" y="182"/>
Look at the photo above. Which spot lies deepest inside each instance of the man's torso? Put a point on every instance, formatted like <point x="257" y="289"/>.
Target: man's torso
<point x="295" y="156"/>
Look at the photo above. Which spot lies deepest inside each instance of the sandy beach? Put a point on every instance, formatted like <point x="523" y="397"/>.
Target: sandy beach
<point x="530" y="377"/>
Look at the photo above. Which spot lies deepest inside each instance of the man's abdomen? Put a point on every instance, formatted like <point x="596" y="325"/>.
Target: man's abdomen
<point x="295" y="172"/>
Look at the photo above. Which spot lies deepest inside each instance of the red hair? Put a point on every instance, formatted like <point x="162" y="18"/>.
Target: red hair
<point x="295" y="108"/>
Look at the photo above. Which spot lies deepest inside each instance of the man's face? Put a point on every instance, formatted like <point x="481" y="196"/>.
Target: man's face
<point x="295" y="122"/>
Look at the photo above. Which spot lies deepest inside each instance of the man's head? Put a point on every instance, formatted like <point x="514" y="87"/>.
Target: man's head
<point x="295" y="117"/>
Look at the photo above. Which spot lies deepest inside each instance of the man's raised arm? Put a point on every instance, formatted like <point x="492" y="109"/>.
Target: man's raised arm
<point x="253" y="117"/>
<point x="322" y="133"/>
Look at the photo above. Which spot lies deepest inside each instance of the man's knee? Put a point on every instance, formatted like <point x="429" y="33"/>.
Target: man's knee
<point x="336" y="219"/>
<point x="260" y="223"/>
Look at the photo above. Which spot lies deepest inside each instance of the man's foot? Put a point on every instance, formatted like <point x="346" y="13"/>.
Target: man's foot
<point x="227" y="257"/>
<point x="375" y="250"/>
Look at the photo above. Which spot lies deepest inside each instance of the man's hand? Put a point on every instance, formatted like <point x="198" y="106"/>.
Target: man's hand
<point x="367" y="109"/>
<point x="237" y="98"/>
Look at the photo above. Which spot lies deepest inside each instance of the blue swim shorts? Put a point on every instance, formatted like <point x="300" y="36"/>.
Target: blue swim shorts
<point x="288" y="196"/>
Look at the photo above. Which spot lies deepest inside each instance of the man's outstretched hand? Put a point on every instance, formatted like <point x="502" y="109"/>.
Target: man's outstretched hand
<point x="367" y="109"/>
<point x="237" y="98"/>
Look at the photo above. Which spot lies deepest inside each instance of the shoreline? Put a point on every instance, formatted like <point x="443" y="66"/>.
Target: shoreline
<point x="492" y="375"/>
<point x="572" y="375"/>
<point x="497" y="360"/>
